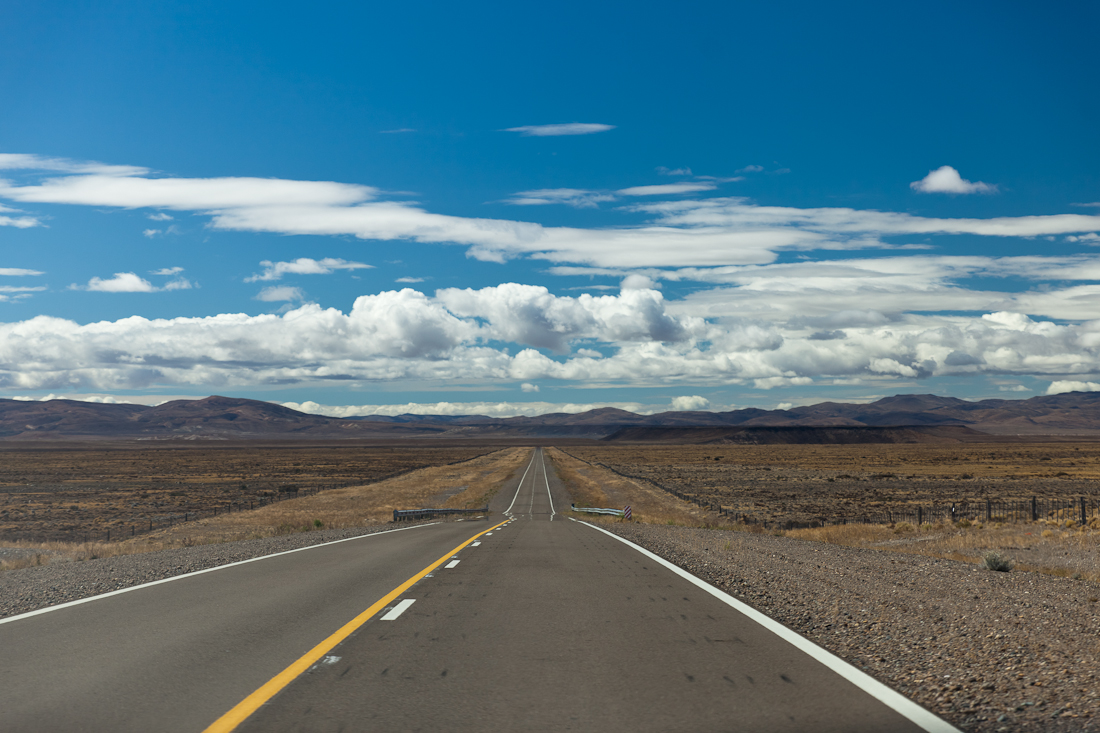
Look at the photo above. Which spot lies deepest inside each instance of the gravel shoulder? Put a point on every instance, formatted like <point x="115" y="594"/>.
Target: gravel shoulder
<point x="32" y="588"/>
<point x="986" y="651"/>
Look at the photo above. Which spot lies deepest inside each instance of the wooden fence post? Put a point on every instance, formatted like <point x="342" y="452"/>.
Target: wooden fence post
<point x="1084" y="514"/>
<point x="1034" y="510"/>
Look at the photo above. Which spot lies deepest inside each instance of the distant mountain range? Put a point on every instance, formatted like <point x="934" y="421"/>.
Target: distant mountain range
<point x="231" y="418"/>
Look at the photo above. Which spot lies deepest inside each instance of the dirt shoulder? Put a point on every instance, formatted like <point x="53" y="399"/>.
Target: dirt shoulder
<point x="986" y="651"/>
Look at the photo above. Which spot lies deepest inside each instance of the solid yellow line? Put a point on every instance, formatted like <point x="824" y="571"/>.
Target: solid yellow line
<point x="252" y="703"/>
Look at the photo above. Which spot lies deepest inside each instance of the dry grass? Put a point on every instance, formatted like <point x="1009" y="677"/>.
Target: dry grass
<point x="1049" y="548"/>
<point x="467" y="485"/>
<point x="592" y="486"/>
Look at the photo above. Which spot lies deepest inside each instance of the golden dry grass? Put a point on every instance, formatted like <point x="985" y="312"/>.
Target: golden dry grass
<point x="466" y="485"/>
<point x="593" y="486"/>
<point x="1046" y="547"/>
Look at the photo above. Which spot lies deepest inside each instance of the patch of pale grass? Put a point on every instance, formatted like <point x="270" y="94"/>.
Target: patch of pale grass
<point x="593" y="486"/>
<point x="1069" y="552"/>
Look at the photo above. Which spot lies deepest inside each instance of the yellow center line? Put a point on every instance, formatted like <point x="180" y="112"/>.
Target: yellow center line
<point x="252" y="703"/>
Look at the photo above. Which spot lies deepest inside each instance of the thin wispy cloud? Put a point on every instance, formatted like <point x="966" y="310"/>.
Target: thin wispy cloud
<point x="668" y="189"/>
<point x="304" y="266"/>
<point x="570" y="128"/>
<point x="398" y="130"/>
<point x="19" y="272"/>
<point x="673" y="171"/>
<point x="946" y="179"/>
<point x="576" y="197"/>
<point x="409" y="280"/>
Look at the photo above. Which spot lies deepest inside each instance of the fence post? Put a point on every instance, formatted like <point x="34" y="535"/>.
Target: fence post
<point x="1034" y="510"/>
<point x="1084" y="514"/>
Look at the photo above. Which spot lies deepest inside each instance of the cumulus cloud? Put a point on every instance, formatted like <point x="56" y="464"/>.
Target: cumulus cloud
<point x="1090" y="238"/>
<point x="1061" y="386"/>
<point x="523" y="334"/>
<point x="528" y="387"/>
<point x="946" y="179"/>
<point x="304" y="266"/>
<point x="686" y="403"/>
<point x="279" y="293"/>
<point x="570" y="128"/>
<point x="122" y="282"/>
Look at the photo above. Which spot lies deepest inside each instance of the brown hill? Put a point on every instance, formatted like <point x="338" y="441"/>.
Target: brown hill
<point x="216" y="417"/>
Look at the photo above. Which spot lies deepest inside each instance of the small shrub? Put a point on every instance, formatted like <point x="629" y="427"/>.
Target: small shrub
<point x="994" y="561"/>
<point x="318" y="524"/>
<point x="903" y="527"/>
<point x="1047" y="533"/>
<point x="963" y="523"/>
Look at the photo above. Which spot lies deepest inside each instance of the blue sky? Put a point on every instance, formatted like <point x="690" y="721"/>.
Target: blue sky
<point x="509" y="209"/>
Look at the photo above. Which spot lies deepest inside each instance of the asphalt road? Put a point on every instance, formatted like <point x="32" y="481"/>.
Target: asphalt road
<point x="545" y="623"/>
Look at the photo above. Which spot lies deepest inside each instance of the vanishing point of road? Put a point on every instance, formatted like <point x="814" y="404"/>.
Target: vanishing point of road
<point x="530" y="621"/>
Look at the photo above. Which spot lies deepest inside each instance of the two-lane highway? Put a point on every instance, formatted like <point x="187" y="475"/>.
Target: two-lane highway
<point x="541" y="623"/>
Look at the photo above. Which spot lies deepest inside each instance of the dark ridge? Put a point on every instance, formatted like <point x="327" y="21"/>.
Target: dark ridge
<point x="796" y="435"/>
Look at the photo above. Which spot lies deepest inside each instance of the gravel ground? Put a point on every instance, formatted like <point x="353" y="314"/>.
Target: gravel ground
<point x="29" y="589"/>
<point x="986" y="651"/>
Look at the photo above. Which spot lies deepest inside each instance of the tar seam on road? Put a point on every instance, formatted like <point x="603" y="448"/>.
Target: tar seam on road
<point x="546" y="478"/>
<point x="893" y="700"/>
<point x="272" y="687"/>
<point x="89" y="599"/>
<point x="531" y="463"/>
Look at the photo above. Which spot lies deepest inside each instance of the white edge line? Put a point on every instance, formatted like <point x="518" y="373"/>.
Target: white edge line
<point x="89" y="599"/>
<point x="531" y="463"/>
<point x="894" y="700"/>
<point x="399" y="609"/>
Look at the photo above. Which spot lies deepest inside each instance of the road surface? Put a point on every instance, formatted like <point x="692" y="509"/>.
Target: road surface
<point x="540" y="623"/>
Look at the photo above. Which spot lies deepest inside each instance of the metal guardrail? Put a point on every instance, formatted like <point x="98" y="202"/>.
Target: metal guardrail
<point x="624" y="512"/>
<point x="410" y="515"/>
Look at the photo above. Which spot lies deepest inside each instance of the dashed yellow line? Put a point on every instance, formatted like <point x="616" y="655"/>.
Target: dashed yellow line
<point x="252" y="703"/>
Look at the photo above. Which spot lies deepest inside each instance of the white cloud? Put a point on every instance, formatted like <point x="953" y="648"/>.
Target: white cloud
<point x="398" y="130"/>
<point x="304" y="266"/>
<point x="570" y="128"/>
<point x="575" y="197"/>
<point x="18" y="272"/>
<point x="159" y="216"/>
<point x="691" y="403"/>
<point x="151" y="232"/>
<point x="1090" y="238"/>
<point x="673" y="171"/>
<point x="710" y="232"/>
<point x="528" y="387"/>
<point x="180" y="283"/>
<point x="20" y="161"/>
<point x="667" y="189"/>
<point x="487" y="409"/>
<point x="167" y="271"/>
<point x="122" y="282"/>
<point x="409" y="280"/>
<point x="1013" y="388"/>
<point x="1062" y="386"/>
<point x="637" y="281"/>
<point x="784" y="406"/>
<point x="277" y="293"/>
<point x="750" y="169"/>
<point x="946" y="179"/>
<point x="491" y="336"/>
